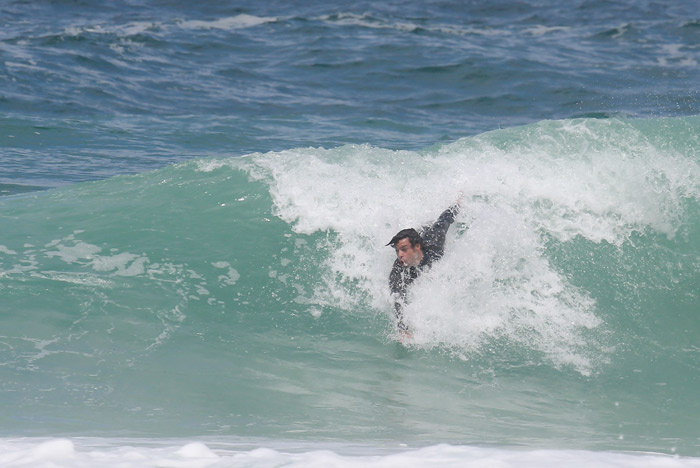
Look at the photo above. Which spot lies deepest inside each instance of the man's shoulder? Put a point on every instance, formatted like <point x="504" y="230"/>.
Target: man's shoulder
<point x="430" y="254"/>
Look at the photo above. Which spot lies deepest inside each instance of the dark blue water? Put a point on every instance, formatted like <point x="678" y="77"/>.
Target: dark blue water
<point x="93" y="90"/>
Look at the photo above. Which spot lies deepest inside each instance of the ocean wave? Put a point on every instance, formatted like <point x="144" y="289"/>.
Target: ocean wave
<point x="575" y="240"/>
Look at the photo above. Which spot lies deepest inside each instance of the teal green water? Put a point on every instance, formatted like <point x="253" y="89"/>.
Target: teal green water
<point x="247" y="296"/>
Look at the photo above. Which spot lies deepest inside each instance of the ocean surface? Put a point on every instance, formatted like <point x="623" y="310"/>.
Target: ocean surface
<point x="195" y="199"/>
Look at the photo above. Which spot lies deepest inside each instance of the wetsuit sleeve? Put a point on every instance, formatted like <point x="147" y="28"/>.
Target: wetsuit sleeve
<point x="396" y="281"/>
<point x="398" y="313"/>
<point x="397" y="284"/>
<point x="436" y="234"/>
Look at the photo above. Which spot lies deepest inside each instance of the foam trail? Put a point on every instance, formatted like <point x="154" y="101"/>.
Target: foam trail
<point x="64" y="453"/>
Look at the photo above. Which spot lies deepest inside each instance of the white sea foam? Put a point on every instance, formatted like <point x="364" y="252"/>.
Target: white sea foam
<point x="231" y="277"/>
<point x="368" y="21"/>
<point x="541" y="30"/>
<point x="72" y="253"/>
<point x="232" y="22"/>
<point x="134" y="28"/>
<point x="352" y="19"/>
<point x="597" y="180"/>
<point x="5" y="250"/>
<point x="123" y="264"/>
<point x="85" y="279"/>
<point x="72" y="250"/>
<point x="678" y="55"/>
<point x="127" y="29"/>
<point x="88" y="453"/>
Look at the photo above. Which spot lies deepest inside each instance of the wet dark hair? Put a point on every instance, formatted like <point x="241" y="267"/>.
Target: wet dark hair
<point x="413" y="237"/>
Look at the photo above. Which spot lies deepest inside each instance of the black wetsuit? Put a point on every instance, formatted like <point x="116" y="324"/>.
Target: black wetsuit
<point x="433" y="247"/>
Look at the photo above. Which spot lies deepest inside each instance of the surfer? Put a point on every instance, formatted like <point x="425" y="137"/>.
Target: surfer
<point x="415" y="253"/>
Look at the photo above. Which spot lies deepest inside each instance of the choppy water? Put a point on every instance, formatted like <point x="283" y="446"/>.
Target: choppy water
<point x="207" y="274"/>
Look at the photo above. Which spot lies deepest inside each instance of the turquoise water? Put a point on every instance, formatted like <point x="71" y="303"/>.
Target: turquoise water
<point x="247" y="296"/>
<point x="195" y="202"/>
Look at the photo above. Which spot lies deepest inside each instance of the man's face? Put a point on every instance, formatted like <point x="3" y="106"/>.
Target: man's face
<point x="408" y="255"/>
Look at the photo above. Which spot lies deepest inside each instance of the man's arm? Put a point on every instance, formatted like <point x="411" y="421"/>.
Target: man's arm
<point x="398" y="313"/>
<point x="435" y="235"/>
<point x="397" y="284"/>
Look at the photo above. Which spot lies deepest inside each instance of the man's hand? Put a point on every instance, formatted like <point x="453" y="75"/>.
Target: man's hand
<point x="460" y="199"/>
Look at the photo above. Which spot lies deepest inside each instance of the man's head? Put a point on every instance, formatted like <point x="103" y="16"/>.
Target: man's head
<point x="409" y="247"/>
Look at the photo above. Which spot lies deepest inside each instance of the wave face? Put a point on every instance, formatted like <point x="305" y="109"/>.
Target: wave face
<point x="249" y="295"/>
